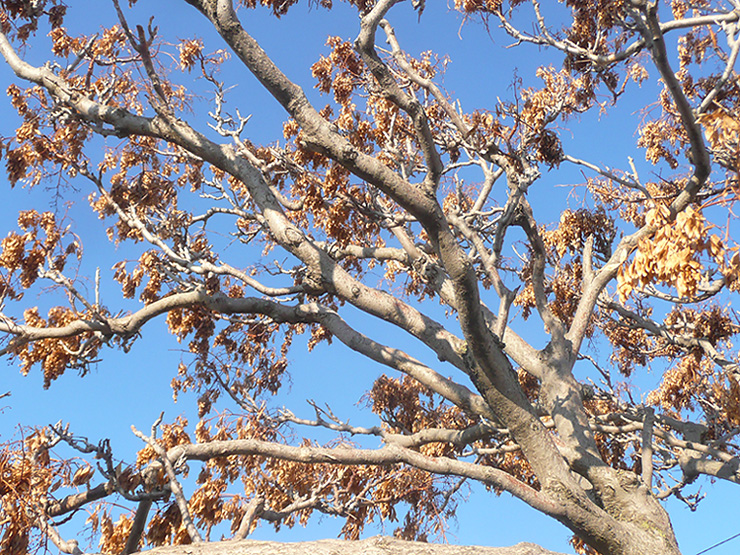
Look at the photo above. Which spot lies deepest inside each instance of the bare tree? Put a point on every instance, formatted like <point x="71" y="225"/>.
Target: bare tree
<point x="389" y="200"/>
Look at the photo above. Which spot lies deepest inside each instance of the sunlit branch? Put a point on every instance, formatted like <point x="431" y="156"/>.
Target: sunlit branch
<point x="285" y="202"/>
<point x="458" y="438"/>
<point x="525" y="419"/>
<point x="692" y="466"/>
<point x="682" y="340"/>
<point x="708" y="290"/>
<point x="394" y="358"/>
<point x="317" y="499"/>
<point x="699" y="157"/>
<point x="693" y="457"/>
<point x="653" y="35"/>
<point x="675" y="489"/>
<point x="489" y="259"/>
<point x="653" y="39"/>
<point x="631" y="183"/>
<point x="588" y="262"/>
<point x="318" y="133"/>
<point x="213" y="210"/>
<point x="673" y="441"/>
<point x="731" y="29"/>
<point x="539" y="262"/>
<point x="364" y="252"/>
<point x="545" y="38"/>
<point x="607" y="380"/>
<point x="310" y="313"/>
<point x="636" y="422"/>
<point x="103" y="452"/>
<point x="365" y="44"/>
<point x="390" y="454"/>
<point x="141" y="44"/>
<point x="491" y="176"/>
<point x="175" y="486"/>
<point x="60" y="279"/>
<point x="76" y="501"/>
<point x="227" y="127"/>
<point x="321" y="137"/>
<point x="427" y="84"/>
<point x="253" y="511"/>
<point x="604" y="424"/>
<point x="225" y="124"/>
<point x="122" y="121"/>
<point x="515" y="346"/>
<point x="65" y="546"/>
<point x="492" y="451"/>
<point x="569" y="47"/>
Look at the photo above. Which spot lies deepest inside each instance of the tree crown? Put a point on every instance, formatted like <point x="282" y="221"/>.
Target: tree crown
<point x="386" y="199"/>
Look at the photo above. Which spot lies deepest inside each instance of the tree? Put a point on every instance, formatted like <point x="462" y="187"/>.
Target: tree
<point x="386" y="202"/>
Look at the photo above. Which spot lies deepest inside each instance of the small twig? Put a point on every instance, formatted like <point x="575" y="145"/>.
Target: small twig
<point x="632" y="183"/>
<point x="97" y="289"/>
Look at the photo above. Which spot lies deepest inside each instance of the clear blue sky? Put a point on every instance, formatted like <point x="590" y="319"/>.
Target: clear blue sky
<point x="126" y="389"/>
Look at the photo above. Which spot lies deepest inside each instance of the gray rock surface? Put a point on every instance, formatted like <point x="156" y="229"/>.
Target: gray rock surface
<point x="378" y="545"/>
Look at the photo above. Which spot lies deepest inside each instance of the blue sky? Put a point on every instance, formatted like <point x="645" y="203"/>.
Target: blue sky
<point x="133" y="388"/>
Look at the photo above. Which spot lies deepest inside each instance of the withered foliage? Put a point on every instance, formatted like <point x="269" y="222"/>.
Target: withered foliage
<point x="386" y="199"/>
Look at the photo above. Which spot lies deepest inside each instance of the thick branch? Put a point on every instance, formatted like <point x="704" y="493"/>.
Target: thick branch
<point x="137" y="528"/>
<point x="490" y="369"/>
<point x="647" y="447"/>
<point x="325" y="273"/>
<point x="78" y="500"/>
<point x="699" y="157"/>
<point x="390" y="454"/>
<point x="308" y="313"/>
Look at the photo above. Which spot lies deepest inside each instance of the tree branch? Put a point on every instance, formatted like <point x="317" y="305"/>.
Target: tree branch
<point x="390" y="454"/>
<point x="175" y="486"/>
<point x="365" y="44"/>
